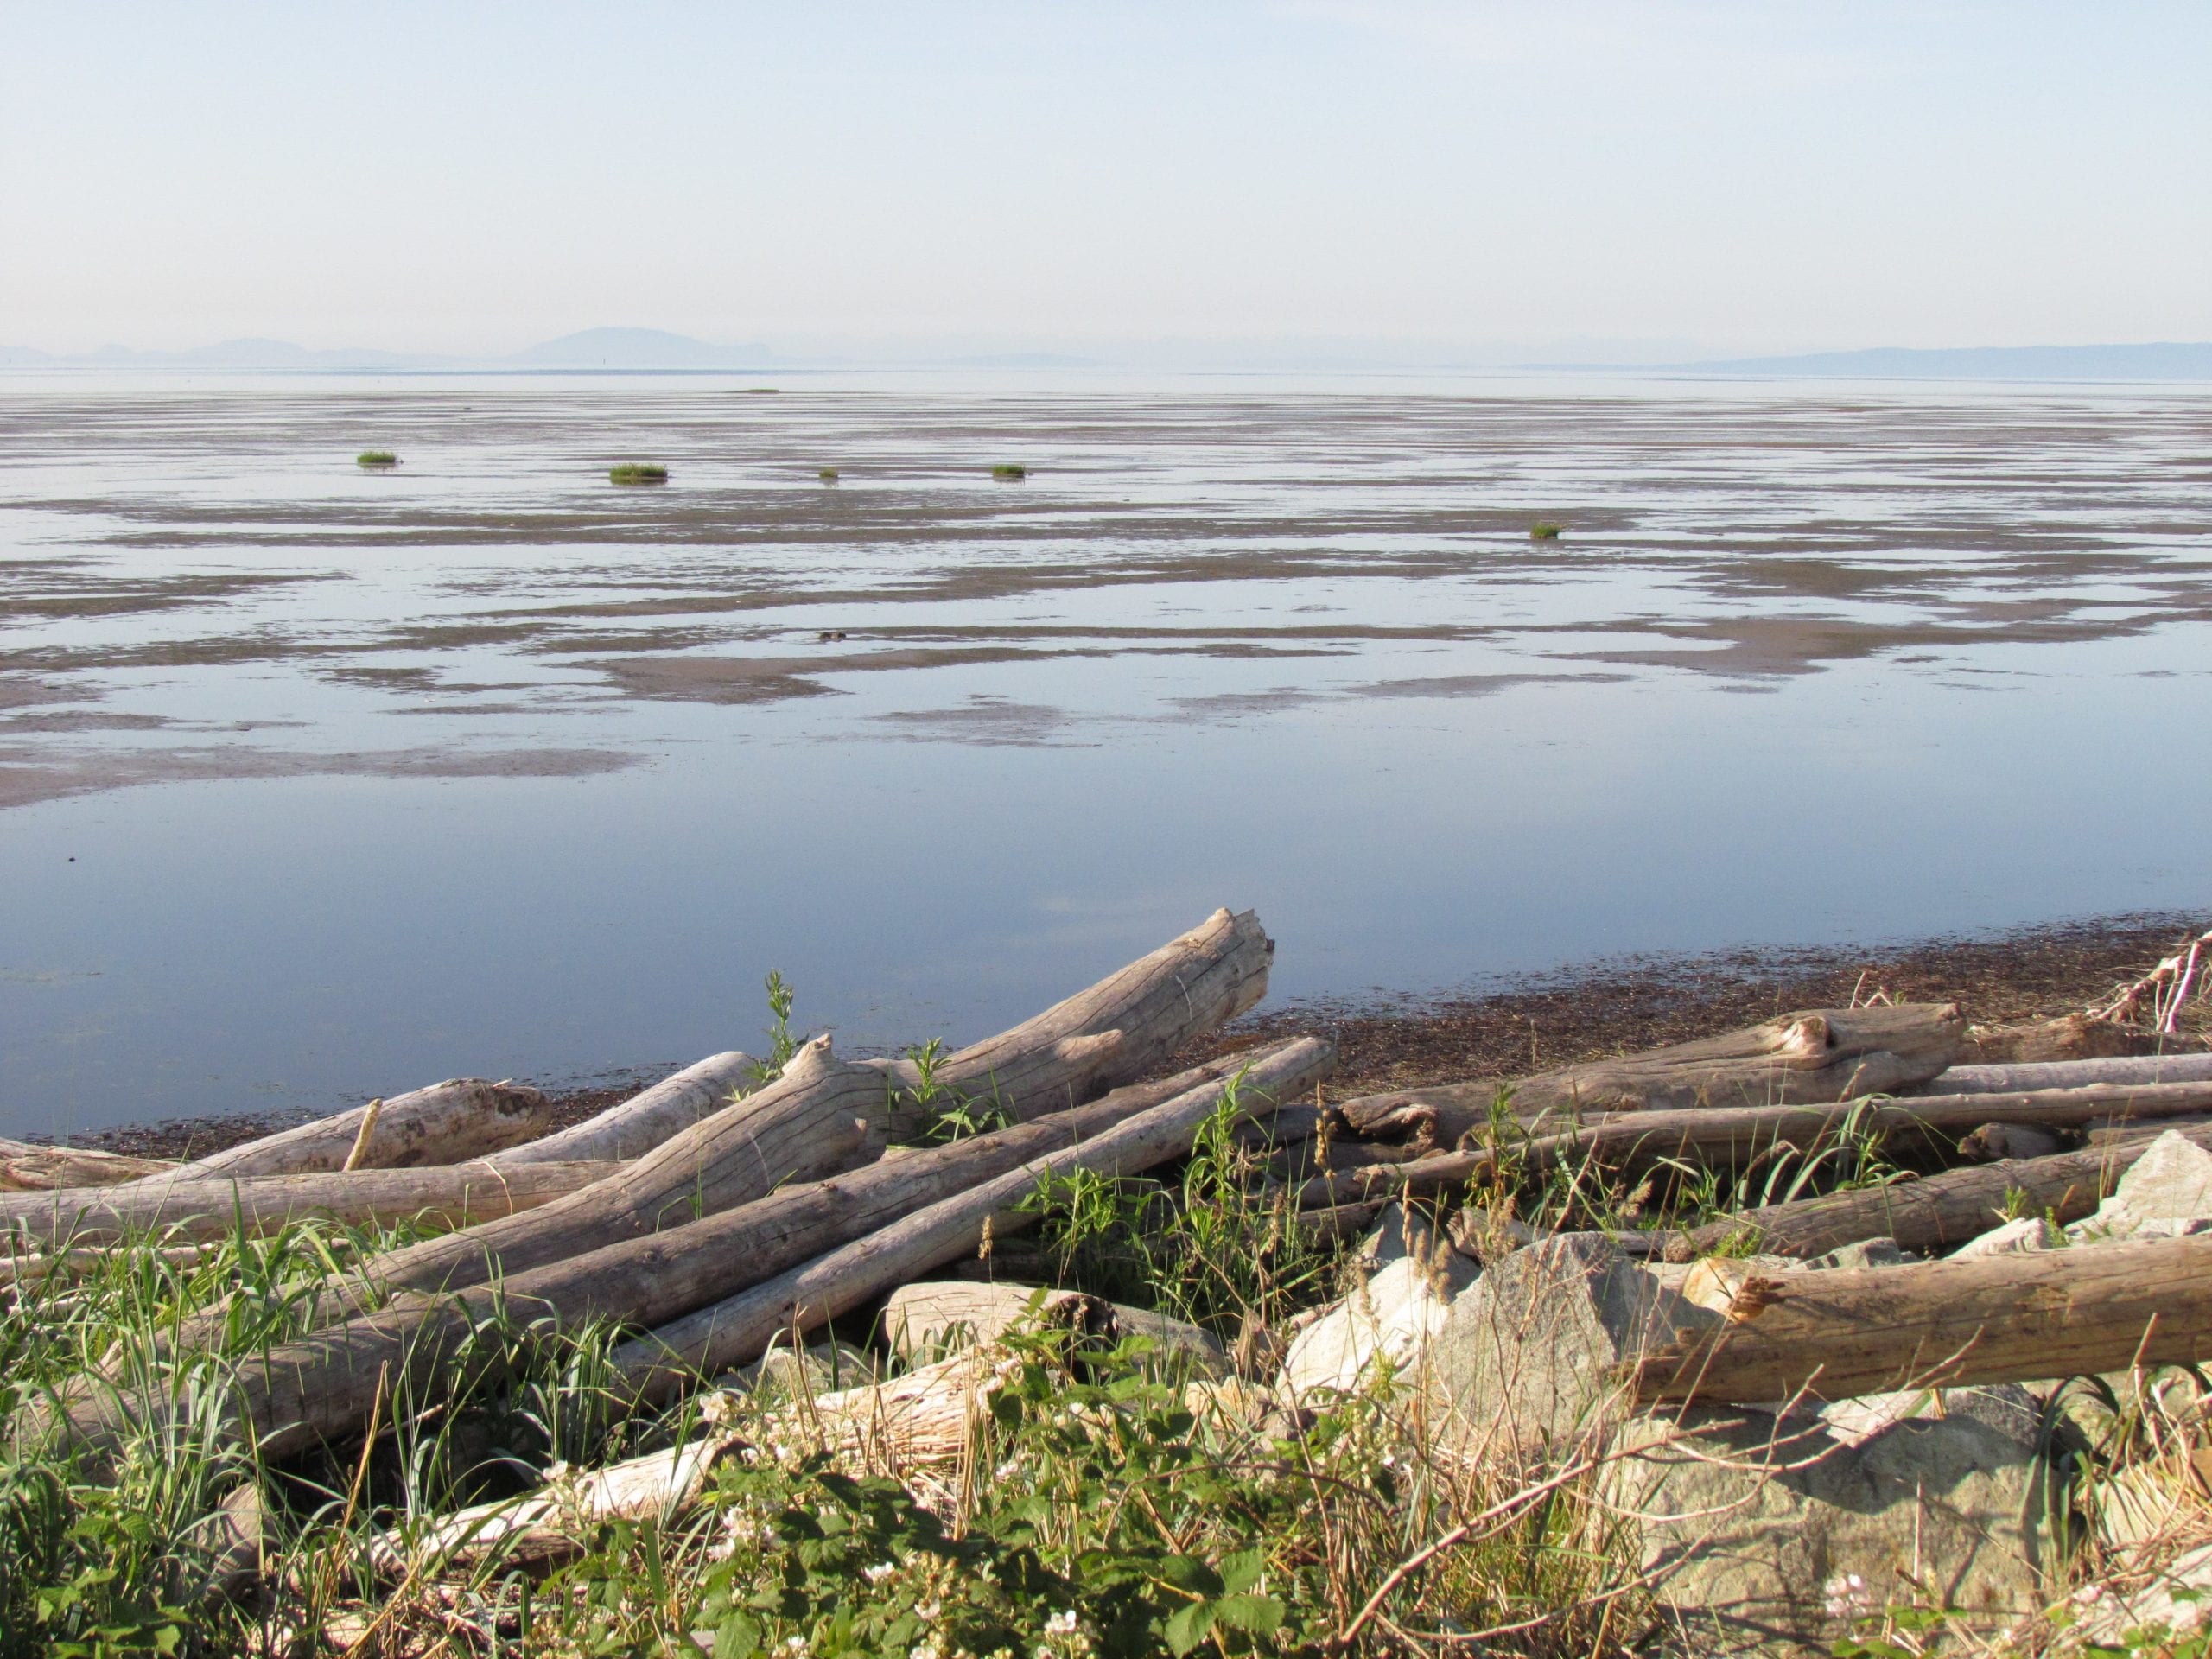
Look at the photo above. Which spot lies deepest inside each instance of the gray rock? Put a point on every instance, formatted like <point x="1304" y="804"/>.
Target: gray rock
<point x="2167" y="1193"/>
<point x="1771" y="1535"/>
<point x="936" y="1317"/>
<point x="2013" y="1238"/>
<point x="1393" y="1319"/>
<point x="1537" y="1352"/>
<point x="1865" y="1253"/>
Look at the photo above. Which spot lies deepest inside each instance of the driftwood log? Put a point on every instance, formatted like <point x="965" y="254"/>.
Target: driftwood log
<point x="643" y="1122"/>
<point x="2074" y="1074"/>
<point x="449" y="1195"/>
<point x="1716" y="1137"/>
<point x="824" y="1114"/>
<point x="324" y="1384"/>
<point x="28" y="1168"/>
<point x="1839" y="1332"/>
<point x="1936" y="1212"/>
<point x="1823" y="1054"/>
<point x="734" y="1330"/>
<point x="445" y="1124"/>
<point x="821" y="1116"/>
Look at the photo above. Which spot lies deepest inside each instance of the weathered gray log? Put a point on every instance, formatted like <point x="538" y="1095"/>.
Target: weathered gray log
<point x="1373" y="1184"/>
<point x="1936" y="1212"/>
<point x="739" y="1328"/>
<point x="1635" y="1141"/>
<point x="324" y="1384"/>
<point x="28" y="1168"/>
<point x="445" y="1124"/>
<point x="643" y="1122"/>
<point x="824" y="1114"/>
<point x="2132" y="1072"/>
<point x="31" y="1269"/>
<point x="451" y="1195"/>
<point x="1303" y="1161"/>
<point x="1841" y="1332"/>
<point x="1823" y="1054"/>
<point x="2113" y="1131"/>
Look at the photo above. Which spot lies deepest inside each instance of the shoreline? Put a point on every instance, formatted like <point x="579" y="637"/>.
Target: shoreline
<point x="1538" y="1022"/>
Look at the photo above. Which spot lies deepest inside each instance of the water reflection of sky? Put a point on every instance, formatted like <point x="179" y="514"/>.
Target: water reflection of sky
<point x="486" y="766"/>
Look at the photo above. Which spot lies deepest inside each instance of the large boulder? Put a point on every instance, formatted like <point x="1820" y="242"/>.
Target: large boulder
<point x="2166" y="1193"/>
<point x="1391" y="1319"/>
<point x="1536" y="1354"/>
<point x="1771" y="1530"/>
<point x="1774" y="1534"/>
<point x="928" y="1320"/>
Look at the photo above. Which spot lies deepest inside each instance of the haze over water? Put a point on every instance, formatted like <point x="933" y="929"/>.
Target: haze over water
<point x="484" y="766"/>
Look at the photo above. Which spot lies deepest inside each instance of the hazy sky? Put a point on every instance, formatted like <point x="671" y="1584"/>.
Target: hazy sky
<point x="478" y="176"/>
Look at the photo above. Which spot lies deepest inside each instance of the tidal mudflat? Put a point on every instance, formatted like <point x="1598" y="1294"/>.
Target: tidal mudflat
<point x="319" y="781"/>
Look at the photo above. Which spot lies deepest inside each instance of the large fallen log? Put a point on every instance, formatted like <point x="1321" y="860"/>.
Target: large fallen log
<point x="448" y="1195"/>
<point x="1732" y="1137"/>
<point x="2001" y="1318"/>
<point x="2134" y="1070"/>
<point x="740" y="1328"/>
<point x="824" y="1114"/>
<point x="638" y="1124"/>
<point x="445" y="1124"/>
<point x="1936" y="1212"/>
<point x="1824" y="1054"/>
<point x="326" y="1384"/>
<point x="28" y="1168"/>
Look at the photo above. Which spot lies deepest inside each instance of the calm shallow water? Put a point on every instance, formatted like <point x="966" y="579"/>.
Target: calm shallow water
<point x="485" y="766"/>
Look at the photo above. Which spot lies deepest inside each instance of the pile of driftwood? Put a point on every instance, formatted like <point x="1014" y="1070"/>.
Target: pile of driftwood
<point x="710" y="1217"/>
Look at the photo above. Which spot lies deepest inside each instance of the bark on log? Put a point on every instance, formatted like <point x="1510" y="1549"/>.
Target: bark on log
<point x="643" y="1122"/>
<point x="27" y="1168"/>
<point x="824" y="1114"/>
<point x="1937" y="1212"/>
<point x="2074" y="1074"/>
<point x="1823" y="1054"/>
<point x="324" y="1384"/>
<point x="1634" y="1142"/>
<point x="445" y="1124"/>
<point x="1841" y="1332"/>
<point x="453" y="1195"/>
<point x="734" y="1330"/>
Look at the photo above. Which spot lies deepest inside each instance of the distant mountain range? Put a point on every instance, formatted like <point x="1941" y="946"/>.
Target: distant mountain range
<point x="651" y="350"/>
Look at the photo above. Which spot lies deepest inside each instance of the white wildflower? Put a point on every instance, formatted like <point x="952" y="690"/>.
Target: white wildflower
<point x="1847" y="1596"/>
<point x="880" y="1572"/>
<point x="1061" y="1623"/>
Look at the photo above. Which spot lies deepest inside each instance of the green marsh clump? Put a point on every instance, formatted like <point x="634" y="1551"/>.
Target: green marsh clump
<point x="1543" y="530"/>
<point x="376" y="459"/>
<point x="1007" y="469"/>
<point x="828" y="474"/>
<point x="637" y="472"/>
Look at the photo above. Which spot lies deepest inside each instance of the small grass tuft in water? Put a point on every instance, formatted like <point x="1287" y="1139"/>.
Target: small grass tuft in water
<point x="1542" y="532"/>
<point x="637" y="472"/>
<point x="379" y="458"/>
<point x="1007" y="469"/>
<point x="758" y="392"/>
<point x="828" y="474"/>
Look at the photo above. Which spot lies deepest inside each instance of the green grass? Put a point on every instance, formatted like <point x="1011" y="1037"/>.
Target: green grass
<point x="1007" y="469"/>
<point x="1542" y="532"/>
<point x="637" y="472"/>
<point x="376" y="457"/>
<point x="828" y="474"/>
